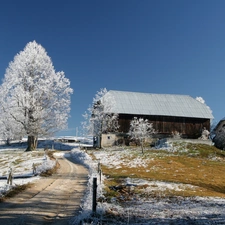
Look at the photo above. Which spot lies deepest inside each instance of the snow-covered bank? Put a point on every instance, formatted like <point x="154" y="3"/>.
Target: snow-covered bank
<point x="22" y="163"/>
<point x="83" y="158"/>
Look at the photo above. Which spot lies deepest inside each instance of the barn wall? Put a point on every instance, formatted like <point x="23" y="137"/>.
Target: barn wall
<point x="188" y="127"/>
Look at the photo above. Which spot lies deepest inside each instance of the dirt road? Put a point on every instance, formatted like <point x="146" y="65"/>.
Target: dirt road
<point x="51" y="200"/>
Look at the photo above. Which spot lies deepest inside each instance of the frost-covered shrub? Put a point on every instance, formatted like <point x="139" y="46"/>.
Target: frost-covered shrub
<point x="176" y="135"/>
<point x="47" y="164"/>
<point x="205" y="134"/>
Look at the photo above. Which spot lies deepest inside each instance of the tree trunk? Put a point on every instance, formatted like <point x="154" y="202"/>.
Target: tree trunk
<point x="31" y="143"/>
<point x="142" y="146"/>
<point x="8" y="141"/>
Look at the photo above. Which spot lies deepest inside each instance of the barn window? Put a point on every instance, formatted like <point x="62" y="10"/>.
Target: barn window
<point x="108" y="137"/>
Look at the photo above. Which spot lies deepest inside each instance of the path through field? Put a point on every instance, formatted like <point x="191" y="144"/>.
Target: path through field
<point x="51" y="200"/>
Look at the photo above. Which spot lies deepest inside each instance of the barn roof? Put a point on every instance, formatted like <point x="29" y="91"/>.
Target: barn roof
<point x="158" y="104"/>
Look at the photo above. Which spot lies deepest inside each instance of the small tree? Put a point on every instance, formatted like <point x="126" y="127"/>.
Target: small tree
<point x="140" y="129"/>
<point x="99" y="118"/>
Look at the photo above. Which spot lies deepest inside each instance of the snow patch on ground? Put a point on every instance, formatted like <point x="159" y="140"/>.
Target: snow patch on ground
<point x="177" y="210"/>
<point x="83" y="158"/>
<point x="157" y="185"/>
<point x="113" y="160"/>
<point x="22" y="163"/>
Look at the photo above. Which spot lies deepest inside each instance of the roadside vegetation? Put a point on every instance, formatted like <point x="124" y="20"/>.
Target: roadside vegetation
<point x="50" y="171"/>
<point x="14" y="191"/>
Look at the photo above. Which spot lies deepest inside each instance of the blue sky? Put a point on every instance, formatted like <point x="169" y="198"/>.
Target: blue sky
<point x="154" y="46"/>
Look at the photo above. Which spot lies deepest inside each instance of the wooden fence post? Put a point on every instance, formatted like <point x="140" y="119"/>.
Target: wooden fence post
<point x="94" y="201"/>
<point x="100" y="176"/>
<point x="10" y="177"/>
<point x="99" y="166"/>
<point x="34" y="168"/>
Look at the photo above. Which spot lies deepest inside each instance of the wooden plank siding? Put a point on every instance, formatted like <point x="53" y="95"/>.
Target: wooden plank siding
<point x="165" y="125"/>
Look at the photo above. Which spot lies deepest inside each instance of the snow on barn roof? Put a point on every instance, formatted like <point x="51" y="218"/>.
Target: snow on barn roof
<point x="158" y="104"/>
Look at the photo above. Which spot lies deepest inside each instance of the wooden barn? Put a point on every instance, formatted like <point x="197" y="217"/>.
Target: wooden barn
<point x="168" y="112"/>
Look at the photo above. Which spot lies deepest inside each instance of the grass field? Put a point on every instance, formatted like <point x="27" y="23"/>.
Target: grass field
<point x="200" y="167"/>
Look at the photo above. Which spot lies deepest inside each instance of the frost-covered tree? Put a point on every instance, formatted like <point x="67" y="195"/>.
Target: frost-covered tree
<point x="140" y="129"/>
<point x="35" y="97"/>
<point x="9" y="129"/>
<point x="200" y="99"/>
<point x="99" y="118"/>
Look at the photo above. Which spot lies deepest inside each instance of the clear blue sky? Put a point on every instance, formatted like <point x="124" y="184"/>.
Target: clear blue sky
<point x="160" y="46"/>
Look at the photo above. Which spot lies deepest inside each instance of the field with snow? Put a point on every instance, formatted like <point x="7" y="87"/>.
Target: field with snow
<point x="28" y="165"/>
<point x="127" y="195"/>
<point x="154" y="188"/>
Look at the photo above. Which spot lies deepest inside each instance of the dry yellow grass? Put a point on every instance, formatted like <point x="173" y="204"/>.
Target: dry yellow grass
<point x="200" y="165"/>
<point x="15" y="190"/>
<point x="53" y="170"/>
